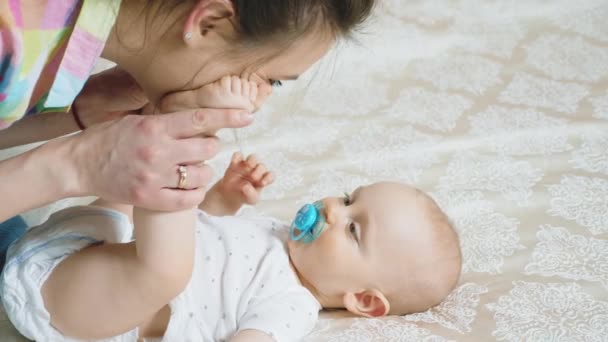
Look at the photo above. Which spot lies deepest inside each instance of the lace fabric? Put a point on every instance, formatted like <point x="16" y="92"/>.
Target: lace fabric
<point x="500" y="110"/>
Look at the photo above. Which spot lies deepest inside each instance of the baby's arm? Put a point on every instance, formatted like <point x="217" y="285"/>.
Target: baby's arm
<point x="108" y="289"/>
<point x="242" y="183"/>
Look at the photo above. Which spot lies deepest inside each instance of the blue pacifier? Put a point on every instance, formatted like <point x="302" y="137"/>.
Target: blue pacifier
<point x="308" y="224"/>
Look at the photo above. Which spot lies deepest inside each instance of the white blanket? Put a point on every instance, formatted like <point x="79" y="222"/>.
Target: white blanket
<point x="500" y="109"/>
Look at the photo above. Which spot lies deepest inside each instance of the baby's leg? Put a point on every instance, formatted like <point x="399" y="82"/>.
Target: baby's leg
<point x="109" y="289"/>
<point x="126" y="209"/>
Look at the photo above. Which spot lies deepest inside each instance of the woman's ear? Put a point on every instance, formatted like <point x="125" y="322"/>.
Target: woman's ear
<point x="207" y="16"/>
<point x="367" y="303"/>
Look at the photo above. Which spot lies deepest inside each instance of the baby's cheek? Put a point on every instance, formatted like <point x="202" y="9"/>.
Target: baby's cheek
<point x="336" y="251"/>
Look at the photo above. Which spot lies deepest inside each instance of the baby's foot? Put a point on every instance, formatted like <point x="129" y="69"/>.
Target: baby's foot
<point x="230" y="92"/>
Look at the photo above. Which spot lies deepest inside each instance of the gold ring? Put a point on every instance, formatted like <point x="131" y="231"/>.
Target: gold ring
<point x="182" y="177"/>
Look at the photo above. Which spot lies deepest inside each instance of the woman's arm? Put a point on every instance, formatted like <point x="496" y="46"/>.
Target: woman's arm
<point x="37" y="128"/>
<point x="130" y="160"/>
<point x="106" y="290"/>
<point x="37" y="177"/>
<point x="106" y="96"/>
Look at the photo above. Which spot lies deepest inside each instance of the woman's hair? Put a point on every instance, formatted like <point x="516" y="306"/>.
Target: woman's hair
<point x="262" y="22"/>
<point x="281" y="21"/>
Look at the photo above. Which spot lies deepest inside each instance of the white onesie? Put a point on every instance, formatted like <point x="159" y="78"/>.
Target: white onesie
<point x="241" y="279"/>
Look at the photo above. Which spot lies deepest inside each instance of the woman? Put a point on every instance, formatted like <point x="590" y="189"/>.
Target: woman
<point x="160" y="47"/>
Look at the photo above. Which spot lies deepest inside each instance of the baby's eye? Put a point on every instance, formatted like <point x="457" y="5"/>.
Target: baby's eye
<point x="352" y="228"/>
<point x="275" y="83"/>
<point x="346" y="200"/>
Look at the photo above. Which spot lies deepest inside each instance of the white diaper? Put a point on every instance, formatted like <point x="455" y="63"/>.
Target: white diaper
<point x="31" y="259"/>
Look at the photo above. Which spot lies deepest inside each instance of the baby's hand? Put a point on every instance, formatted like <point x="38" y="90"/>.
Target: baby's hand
<point x="245" y="179"/>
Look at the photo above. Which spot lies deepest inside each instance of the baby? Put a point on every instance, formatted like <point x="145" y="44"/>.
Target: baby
<point x="207" y="275"/>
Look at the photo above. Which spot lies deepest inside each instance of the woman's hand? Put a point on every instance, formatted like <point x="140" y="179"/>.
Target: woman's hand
<point x="132" y="159"/>
<point x="135" y="159"/>
<point x="109" y="95"/>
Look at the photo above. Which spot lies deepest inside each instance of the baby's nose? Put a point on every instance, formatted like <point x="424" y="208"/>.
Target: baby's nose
<point x="332" y="212"/>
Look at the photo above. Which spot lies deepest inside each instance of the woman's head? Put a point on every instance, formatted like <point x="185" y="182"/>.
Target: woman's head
<point x="170" y="45"/>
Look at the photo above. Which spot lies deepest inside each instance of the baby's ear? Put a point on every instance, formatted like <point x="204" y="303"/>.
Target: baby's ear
<point x="367" y="303"/>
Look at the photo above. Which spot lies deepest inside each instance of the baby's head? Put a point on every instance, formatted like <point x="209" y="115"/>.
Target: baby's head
<point x="386" y="249"/>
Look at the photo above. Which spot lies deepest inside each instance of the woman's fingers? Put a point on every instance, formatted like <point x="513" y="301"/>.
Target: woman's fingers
<point x="135" y="159"/>
<point x="192" y="150"/>
<point x="195" y="176"/>
<point x="201" y="122"/>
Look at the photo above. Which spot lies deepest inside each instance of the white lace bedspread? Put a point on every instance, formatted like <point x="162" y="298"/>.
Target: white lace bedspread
<point x="500" y="109"/>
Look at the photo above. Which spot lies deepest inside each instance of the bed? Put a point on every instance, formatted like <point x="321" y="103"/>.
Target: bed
<point x="497" y="108"/>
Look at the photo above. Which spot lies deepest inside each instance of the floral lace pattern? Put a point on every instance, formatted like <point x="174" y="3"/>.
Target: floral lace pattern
<point x="582" y="199"/>
<point x="592" y="156"/>
<point x="499" y="109"/>
<point x="457" y="311"/>
<point x="472" y="74"/>
<point x="534" y="91"/>
<point x="549" y="312"/>
<point x="600" y="106"/>
<point x="590" y="23"/>
<point x="486" y="236"/>
<point x="419" y="106"/>
<point x="378" y="330"/>
<point x="403" y="153"/>
<point x="522" y="131"/>
<point x="511" y="178"/>
<point x="568" y="58"/>
<point x="569" y="255"/>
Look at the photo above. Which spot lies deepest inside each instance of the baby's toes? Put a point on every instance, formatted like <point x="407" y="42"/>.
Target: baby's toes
<point x="236" y="86"/>
<point x="253" y="91"/>
<point x="245" y="89"/>
<point x="226" y="84"/>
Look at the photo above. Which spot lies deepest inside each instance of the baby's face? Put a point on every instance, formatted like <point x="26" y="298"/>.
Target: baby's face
<point x="370" y="237"/>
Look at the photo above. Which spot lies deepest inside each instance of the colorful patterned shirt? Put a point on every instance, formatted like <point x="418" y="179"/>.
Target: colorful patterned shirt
<point x="48" y="53"/>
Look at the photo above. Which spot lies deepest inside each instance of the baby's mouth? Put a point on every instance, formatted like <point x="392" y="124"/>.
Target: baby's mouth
<point x="308" y="223"/>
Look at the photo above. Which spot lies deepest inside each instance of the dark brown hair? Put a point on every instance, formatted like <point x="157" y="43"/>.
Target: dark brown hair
<point x="262" y="21"/>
